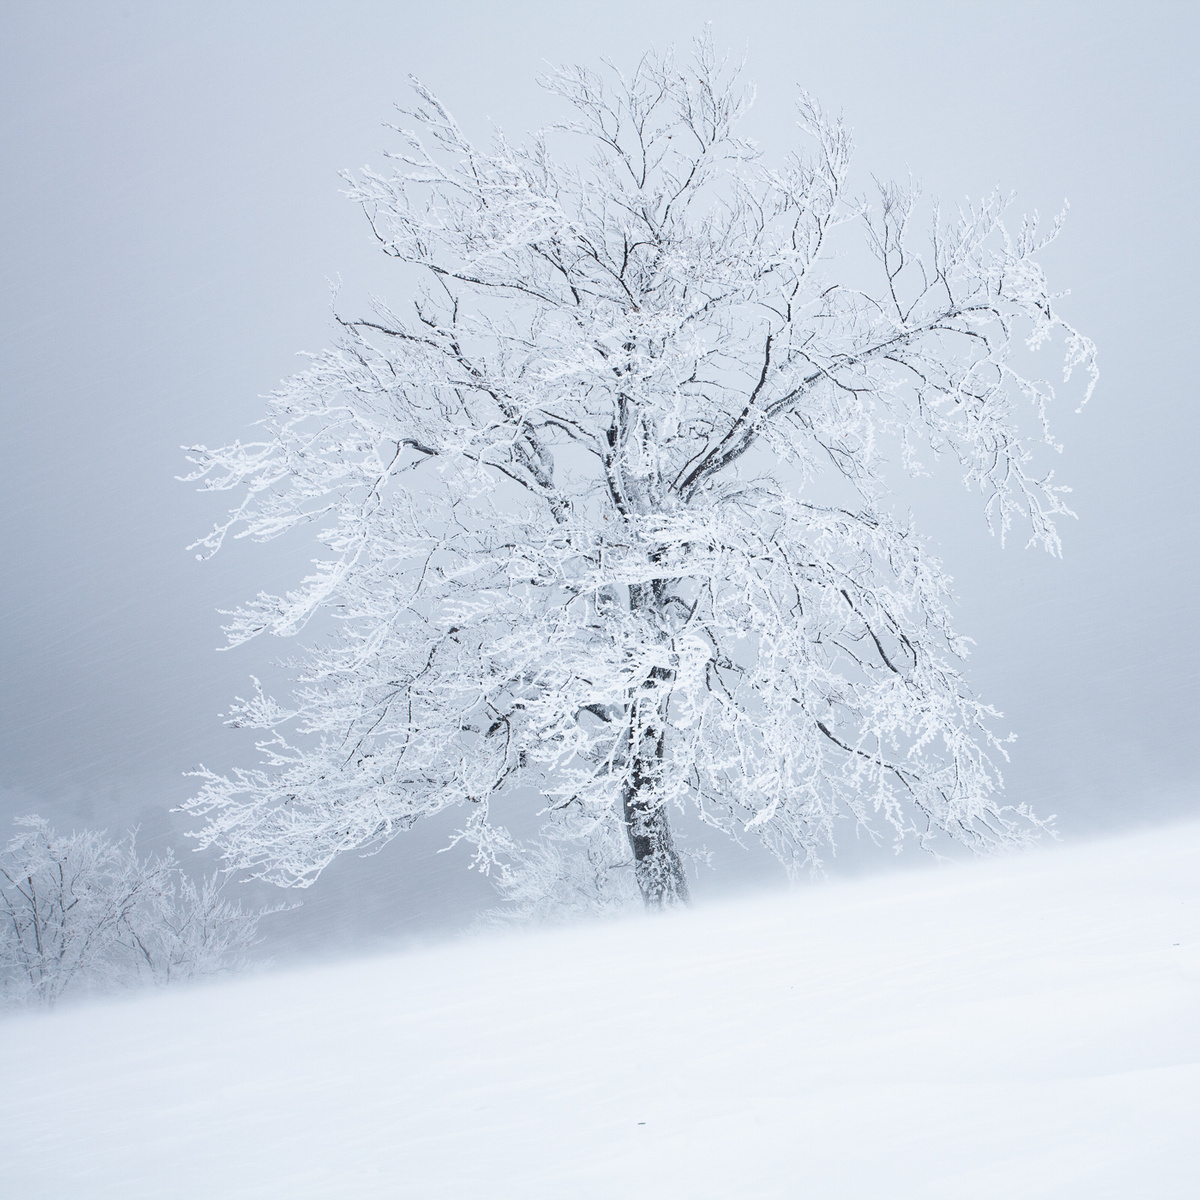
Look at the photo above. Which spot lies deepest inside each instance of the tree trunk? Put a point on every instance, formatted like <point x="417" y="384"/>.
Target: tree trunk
<point x="657" y="866"/>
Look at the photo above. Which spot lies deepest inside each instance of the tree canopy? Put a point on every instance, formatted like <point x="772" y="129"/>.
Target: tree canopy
<point x="605" y="504"/>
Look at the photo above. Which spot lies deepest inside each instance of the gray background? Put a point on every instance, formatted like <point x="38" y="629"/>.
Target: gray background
<point x="170" y="216"/>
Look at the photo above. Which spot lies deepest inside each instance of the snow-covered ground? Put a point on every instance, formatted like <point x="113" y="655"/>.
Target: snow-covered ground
<point x="1027" y="1027"/>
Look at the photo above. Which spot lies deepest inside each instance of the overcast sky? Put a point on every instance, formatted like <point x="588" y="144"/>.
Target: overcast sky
<point x="170" y="216"/>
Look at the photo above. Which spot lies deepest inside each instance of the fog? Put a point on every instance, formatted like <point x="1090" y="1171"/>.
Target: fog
<point x="171" y="222"/>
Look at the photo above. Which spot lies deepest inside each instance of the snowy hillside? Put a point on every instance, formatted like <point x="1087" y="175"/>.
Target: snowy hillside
<point x="1020" y="1028"/>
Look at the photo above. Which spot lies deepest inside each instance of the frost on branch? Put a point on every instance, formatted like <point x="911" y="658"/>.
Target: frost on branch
<point x="604" y="505"/>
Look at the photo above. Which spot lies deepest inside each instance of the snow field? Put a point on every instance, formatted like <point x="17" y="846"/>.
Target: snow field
<point x="1023" y="1027"/>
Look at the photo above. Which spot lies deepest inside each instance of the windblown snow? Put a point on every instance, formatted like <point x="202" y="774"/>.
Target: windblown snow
<point x="1024" y="1027"/>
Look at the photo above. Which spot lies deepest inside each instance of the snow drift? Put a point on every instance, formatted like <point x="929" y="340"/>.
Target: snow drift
<point x="1017" y="1028"/>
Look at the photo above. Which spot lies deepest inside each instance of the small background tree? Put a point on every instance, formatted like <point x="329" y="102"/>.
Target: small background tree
<point x="605" y="515"/>
<point x="86" y="913"/>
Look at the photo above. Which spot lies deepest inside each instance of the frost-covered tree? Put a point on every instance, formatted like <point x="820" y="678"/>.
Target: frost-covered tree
<point x="188" y="929"/>
<point x="81" y="911"/>
<point x="605" y="513"/>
